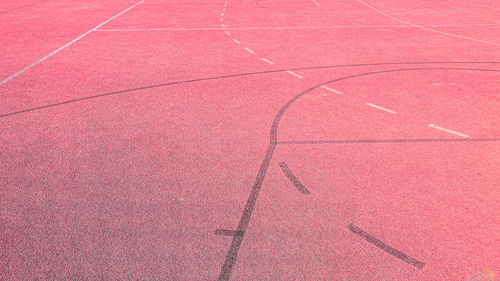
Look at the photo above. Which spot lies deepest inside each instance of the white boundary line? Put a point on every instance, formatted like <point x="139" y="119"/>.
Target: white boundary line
<point x="448" y="131"/>
<point x="266" y="60"/>
<point x="291" y="27"/>
<point x="315" y="2"/>
<point x="67" y="45"/>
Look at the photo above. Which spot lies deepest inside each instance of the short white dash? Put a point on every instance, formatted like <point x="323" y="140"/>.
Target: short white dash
<point x="266" y="60"/>
<point x="294" y="74"/>
<point x="315" y="2"/>
<point x="221" y="19"/>
<point x="236" y="41"/>
<point x="250" y="51"/>
<point x="224" y="10"/>
<point x="332" y="90"/>
<point x="381" y="108"/>
<point x="448" y="131"/>
<point x="222" y="14"/>
<point x="228" y="33"/>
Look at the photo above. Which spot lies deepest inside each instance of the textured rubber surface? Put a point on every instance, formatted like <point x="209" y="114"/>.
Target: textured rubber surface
<point x="249" y="140"/>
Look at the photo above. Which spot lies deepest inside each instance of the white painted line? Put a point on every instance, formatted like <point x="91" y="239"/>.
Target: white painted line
<point x="315" y="2"/>
<point x="448" y="131"/>
<point x="332" y="90"/>
<point x="381" y="108"/>
<point x="250" y="51"/>
<point x="282" y="27"/>
<point x="67" y="44"/>
<point x="294" y="74"/>
<point x="222" y="14"/>
<point x="266" y="60"/>
<point x="224" y="25"/>
<point x="228" y="33"/>
<point x="224" y="10"/>
<point x="236" y="41"/>
<point x="221" y="19"/>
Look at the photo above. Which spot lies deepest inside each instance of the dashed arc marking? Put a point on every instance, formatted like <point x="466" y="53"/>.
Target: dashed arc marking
<point x="332" y="90"/>
<point x="266" y="60"/>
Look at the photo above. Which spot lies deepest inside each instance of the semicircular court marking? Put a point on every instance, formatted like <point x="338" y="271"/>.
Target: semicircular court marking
<point x="244" y="221"/>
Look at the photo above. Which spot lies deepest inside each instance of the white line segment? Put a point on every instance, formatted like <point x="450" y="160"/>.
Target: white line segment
<point x="67" y="44"/>
<point x="250" y="51"/>
<point x="315" y="2"/>
<point x="332" y="90"/>
<point x="236" y="41"/>
<point x="381" y="108"/>
<point x="266" y="60"/>
<point x="448" y="131"/>
<point x="294" y="74"/>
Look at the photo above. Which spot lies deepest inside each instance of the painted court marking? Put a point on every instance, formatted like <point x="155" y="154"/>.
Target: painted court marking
<point x="266" y="60"/>
<point x="292" y="178"/>
<point x="249" y="50"/>
<point x="236" y="41"/>
<point x="67" y="45"/>
<point x="228" y="33"/>
<point x="426" y="28"/>
<point x="294" y="74"/>
<point x="315" y="2"/>
<point x="289" y="27"/>
<point x="228" y="232"/>
<point x="448" y="131"/>
<point x="381" y="108"/>
<point x="374" y="241"/>
<point x="332" y="90"/>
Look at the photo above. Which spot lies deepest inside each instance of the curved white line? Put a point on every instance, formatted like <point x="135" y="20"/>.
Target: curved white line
<point x="426" y="28"/>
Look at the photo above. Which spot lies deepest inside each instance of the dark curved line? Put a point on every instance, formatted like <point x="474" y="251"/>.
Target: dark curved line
<point x="25" y="6"/>
<point x="258" y="3"/>
<point x="292" y="178"/>
<point x="232" y="253"/>
<point x="223" y="77"/>
<point x="384" y="247"/>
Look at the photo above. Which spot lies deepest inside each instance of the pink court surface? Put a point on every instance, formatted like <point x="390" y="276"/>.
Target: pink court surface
<point x="250" y="140"/>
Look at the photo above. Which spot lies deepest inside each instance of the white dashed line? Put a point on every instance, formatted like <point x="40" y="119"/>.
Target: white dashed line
<point x="266" y="60"/>
<point x="315" y="2"/>
<point x="228" y="33"/>
<point x="381" y="108"/>
<point x="294" y="74"/>
<point x="236" y="41"/>
<point x="332" y="90"/>
<point x="221" y="19"/>
<point x="448" y="131"/>
<point x="222" y="14"/>
<point x="250" y="51"/>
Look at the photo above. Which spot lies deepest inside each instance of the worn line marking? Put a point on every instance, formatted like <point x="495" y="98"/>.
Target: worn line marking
<point x="315" y="2"/>
<point x="381" y="245"/>
<point x="236" y="41"/>
<point x="228" y="33"/>
<point x="448" y="131"/>
<point x="294" y="74"/>
<point x="228" y="232"/>
<point x="67" y="45"/>
<point x="332" y="90"/>
<point x="266" y="60"/>
<point x="293" y="178"/>
<point x="381" y="108"/>
<point x="221" y="19"/>
<point x="250" y="51"/>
